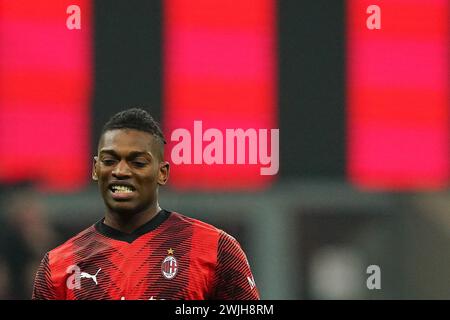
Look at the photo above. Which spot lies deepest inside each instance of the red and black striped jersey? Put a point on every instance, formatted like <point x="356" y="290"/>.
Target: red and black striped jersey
<point x="170" y="257"/>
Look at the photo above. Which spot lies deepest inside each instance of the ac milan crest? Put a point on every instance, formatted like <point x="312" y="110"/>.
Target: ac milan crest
<point x="169" y="266"/>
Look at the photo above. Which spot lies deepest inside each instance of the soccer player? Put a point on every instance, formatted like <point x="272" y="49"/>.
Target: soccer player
<point x="140" y="251"/>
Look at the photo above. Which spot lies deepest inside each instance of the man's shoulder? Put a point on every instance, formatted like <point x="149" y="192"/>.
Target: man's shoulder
<point x="203" y="228"/>
<point x="66" y="248"/>
<point x="195" y="223"/>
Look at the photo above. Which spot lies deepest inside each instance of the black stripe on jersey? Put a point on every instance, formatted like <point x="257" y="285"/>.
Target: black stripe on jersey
<point x="115" y="234"/>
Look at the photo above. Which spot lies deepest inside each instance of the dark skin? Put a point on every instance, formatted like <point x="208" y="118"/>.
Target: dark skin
<point x="133" y="159"/>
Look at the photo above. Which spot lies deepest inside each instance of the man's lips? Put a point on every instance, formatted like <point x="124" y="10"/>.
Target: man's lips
<point x="121" y="195"/>
<point x="121" y="184"/>
<point x="121" y="190"/>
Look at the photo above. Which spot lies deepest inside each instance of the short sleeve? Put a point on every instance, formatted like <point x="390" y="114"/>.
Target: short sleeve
<point x="43" y="287"/>
<point x="233" y="278"/>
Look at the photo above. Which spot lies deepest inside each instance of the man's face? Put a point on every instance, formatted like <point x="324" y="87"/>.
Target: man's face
<point x="129" y="169"/>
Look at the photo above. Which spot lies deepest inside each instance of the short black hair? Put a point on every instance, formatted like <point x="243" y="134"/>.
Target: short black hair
<point x="135" y="118"/>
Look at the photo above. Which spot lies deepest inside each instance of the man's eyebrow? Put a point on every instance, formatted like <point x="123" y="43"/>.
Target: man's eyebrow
<point x="108" y="151"/>
<point x="132" y="154"/>
<point x="140" y="153"/>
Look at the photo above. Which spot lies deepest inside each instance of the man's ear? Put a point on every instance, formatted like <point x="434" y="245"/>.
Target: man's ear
<point x="94" y="169"/>
<point x="163" y="173"/>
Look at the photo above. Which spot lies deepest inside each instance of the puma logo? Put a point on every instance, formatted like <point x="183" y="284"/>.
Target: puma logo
<point x="89" y="276"/>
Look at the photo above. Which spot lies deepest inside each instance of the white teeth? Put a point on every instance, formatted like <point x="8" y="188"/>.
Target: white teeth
<point x="122" y="189"/>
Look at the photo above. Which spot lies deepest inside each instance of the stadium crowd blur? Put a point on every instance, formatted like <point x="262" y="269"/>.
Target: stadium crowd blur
<point x="25" y="235"/>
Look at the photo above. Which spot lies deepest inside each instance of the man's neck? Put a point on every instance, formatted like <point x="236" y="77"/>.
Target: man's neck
<point x="128" y="223"/>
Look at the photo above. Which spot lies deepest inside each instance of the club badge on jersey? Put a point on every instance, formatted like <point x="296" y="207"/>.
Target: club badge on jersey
<point x="169" y="266"/>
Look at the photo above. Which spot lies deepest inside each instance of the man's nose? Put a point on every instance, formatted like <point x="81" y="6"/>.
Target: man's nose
<point x="121" y="170"/>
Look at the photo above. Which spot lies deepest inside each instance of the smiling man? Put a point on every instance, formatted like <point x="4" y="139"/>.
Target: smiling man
<point x="139" y="251"/>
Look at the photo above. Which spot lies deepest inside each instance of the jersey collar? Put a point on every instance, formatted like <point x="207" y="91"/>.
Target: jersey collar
<point x="115" y="234"/>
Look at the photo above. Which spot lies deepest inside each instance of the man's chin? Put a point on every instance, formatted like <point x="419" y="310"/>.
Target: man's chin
<point x="124" y="207"/>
